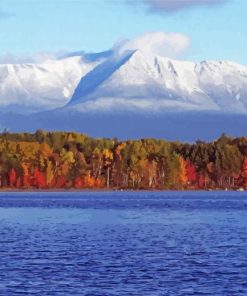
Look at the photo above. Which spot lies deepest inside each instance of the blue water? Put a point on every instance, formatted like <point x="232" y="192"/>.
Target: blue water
<point x="123" y="243"/>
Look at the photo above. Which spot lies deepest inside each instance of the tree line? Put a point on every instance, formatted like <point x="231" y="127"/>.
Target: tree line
<point x="68" y="160"/>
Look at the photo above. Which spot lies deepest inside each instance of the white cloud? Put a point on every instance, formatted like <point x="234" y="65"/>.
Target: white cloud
<point x="170" y="45"/>
<point x="39" y="57"/>
<point x="169" y="6"/>
<point x="159" y="43"/>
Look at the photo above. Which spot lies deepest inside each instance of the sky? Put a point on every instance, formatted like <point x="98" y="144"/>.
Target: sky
<point x="211" y="29"/>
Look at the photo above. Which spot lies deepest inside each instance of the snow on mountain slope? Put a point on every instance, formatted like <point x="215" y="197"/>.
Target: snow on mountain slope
<point x="141" y="82"/>
<point x="98" y="75"/>
<point x="34" y="87"/>
<point x="123" y="81"/>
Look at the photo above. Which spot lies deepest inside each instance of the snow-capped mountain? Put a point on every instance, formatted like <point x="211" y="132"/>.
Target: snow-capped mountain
<point x="127" y="93"/>
<point x="139" y="82"/>
<point x="35" y="87"/>
<point x="130" y="80"/>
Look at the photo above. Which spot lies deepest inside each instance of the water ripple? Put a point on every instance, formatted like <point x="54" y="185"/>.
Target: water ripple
<point x="113" y="244"/>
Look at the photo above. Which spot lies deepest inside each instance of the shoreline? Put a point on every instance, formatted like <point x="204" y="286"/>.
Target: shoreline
<point x="117" y="190"/>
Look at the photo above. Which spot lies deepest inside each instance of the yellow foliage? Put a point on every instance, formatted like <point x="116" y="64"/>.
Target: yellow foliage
<point x="183" y="177"/>
<point x="49" y="173"/>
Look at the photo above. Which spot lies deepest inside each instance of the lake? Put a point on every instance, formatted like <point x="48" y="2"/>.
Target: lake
<point x="123" y="243"/>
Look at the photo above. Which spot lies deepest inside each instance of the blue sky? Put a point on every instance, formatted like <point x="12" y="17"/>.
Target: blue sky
<point x="27" y="27"/>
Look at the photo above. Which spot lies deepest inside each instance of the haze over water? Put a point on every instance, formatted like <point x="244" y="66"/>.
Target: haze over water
<point x="123" y="243"/>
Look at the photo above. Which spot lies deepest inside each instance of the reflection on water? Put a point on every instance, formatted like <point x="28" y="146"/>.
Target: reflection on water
<point x="141" y="243"/>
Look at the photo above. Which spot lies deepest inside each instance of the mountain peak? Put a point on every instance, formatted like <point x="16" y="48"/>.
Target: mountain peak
<point x="136" y="79"/>
<point x="98" y="75"/>
<point x="150" y="82"/>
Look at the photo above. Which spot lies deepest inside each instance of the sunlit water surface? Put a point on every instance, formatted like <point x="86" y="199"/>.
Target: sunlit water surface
<point x="123" y="243"/>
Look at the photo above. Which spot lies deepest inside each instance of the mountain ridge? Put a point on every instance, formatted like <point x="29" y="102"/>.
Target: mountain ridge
<point x="126" y="95"/>
<point x="132" y="79"/>
<point x="38" y="87"/>
<point x="208" y="85"/>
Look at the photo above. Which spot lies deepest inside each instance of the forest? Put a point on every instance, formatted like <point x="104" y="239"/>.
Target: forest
<point x="68" y="160"/>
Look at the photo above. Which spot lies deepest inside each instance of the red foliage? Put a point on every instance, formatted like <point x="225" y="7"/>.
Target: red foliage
<point x="79" y="183"/>
<point x="39" y="179"/>
<point x="191" y="172"/>
<point x="60" y="182"/>
<point x="244" y="172"/>
<point x="18" y="183"/>
<point x="12" y="178"/>
<point x="201" y="181"/>
<point x="26" y="181"/>
<point x="99" y="183"/>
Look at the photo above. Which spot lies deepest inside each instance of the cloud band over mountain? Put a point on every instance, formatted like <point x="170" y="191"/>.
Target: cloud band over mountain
<point x="158" y="43"/>
<point x="169" y="6"/>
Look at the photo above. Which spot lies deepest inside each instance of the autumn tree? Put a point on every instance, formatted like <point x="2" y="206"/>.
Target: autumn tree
<point x="107" y="160"/>
<point x="244" y="172"/>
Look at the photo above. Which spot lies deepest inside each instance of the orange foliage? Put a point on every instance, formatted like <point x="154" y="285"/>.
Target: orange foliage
<point x="88" y="181"/>
<point x="26" y="178"/>
<point x="183" y="176"/>
<point x="75" y="161"/>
